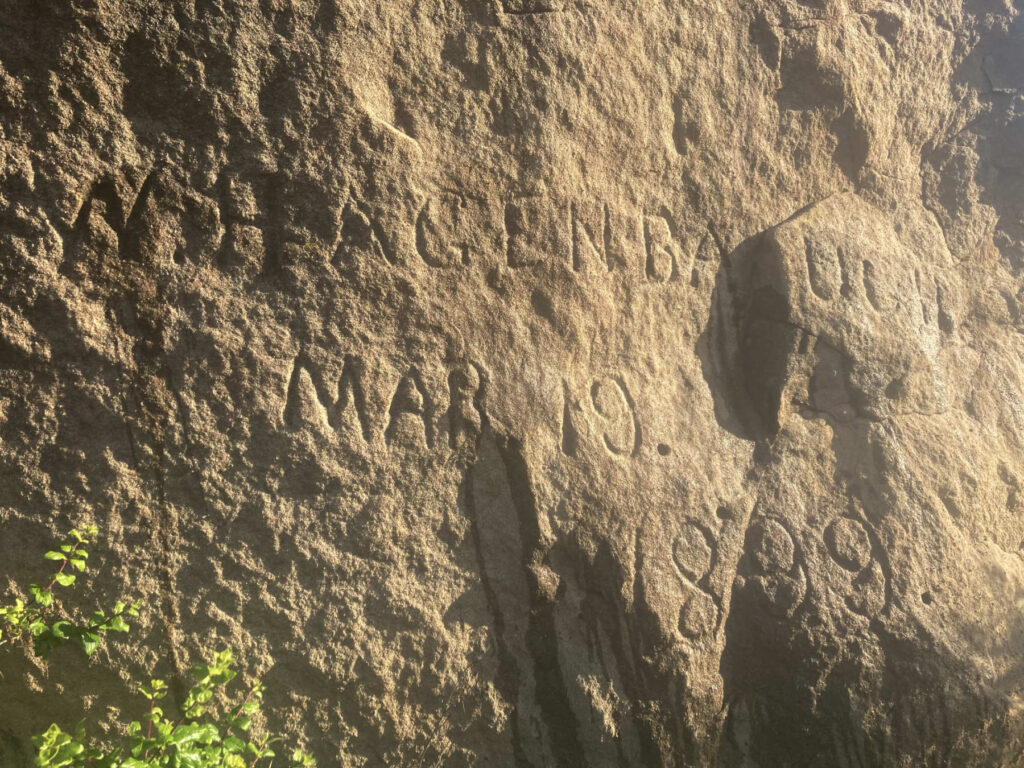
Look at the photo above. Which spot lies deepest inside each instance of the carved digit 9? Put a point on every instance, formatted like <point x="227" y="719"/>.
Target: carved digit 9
<point x="613" y="404"/>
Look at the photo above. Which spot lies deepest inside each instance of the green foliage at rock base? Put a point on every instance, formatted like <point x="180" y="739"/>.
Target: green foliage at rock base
<point x="211" y="730"/>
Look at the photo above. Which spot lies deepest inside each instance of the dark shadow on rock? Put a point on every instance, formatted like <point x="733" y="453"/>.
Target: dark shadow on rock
<point x="745" y="344"/>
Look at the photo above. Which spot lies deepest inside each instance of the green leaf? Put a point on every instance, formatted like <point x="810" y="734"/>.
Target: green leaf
<point x="90" y="642"/>
<point x="78" y="565"/>
<point x="64" y="579"/>
<point x="51" y="555"/>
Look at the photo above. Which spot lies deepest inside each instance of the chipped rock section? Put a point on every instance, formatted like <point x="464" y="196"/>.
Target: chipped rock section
<point x="527" y="383"/>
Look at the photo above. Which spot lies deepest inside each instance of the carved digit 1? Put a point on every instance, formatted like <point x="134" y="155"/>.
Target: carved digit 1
<point x="823" y="270"/>
<point x="570" y="437"/>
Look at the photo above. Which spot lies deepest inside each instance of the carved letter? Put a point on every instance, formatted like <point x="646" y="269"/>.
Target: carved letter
<point x="441" y="226"/>
<point x="465" y="416"/>
<point x="410" y="405"/>
<point x="570" y="437"/>
<point x="531" y="231"/>
<point x="305" y="405"/>
<point x="359" y="234"/>
<point x="589" y="235"/>
<point x="310" y="405"/>
<point x="350" y="391"/>
<point x="661" y="249"/>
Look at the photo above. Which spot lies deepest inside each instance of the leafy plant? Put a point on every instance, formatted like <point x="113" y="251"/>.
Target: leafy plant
<point x="210" y="733"/>
<point x="41" y="618"/>
<point x="199" y="739"/>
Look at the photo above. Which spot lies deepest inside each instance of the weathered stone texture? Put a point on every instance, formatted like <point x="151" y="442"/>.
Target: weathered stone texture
<point x="528" y="382"/>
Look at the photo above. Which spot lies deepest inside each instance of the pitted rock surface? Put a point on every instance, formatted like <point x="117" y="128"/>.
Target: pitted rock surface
<point x="527" y="382"/>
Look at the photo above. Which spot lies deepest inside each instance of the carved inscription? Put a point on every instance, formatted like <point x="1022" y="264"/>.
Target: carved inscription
<point x="532" y="231"/>
<point x="824" y="271"/>
<point x="660" y="245"/>
<point x="165" y="222"/>
<point x="591" y="231"/>
<point x="255" y="223"/>
<point x="359" y="234"/>
<point x="693" y="553"/>
<point x="410" y="413"/>
<point x="778" y="576"/>
<point x="443" y="237"/>
<point x="612" y="403"/>
<point x="255" y="219"/>
<point x="608" y="416"/>
<point x="465" y="415"/>
<point x="624" y="240"/>
<point x="878" y="297"/>
<point x="311" y="404"/>
<point x="861" y="580"/>
<point x="340" y="407"/>
<point x="570" y="437"/>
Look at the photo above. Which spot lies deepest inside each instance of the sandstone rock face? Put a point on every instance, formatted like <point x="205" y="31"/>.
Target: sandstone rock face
<point x="528" y="382"/>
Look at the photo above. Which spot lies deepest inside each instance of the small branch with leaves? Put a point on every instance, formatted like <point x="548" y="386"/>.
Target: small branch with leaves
<point x="210" y="733"/>
<point x="41" y="619"/>
<point x="200" y="739"/>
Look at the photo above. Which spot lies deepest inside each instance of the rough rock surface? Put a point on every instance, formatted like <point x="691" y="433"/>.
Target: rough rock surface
<point x="528" y="382"/>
